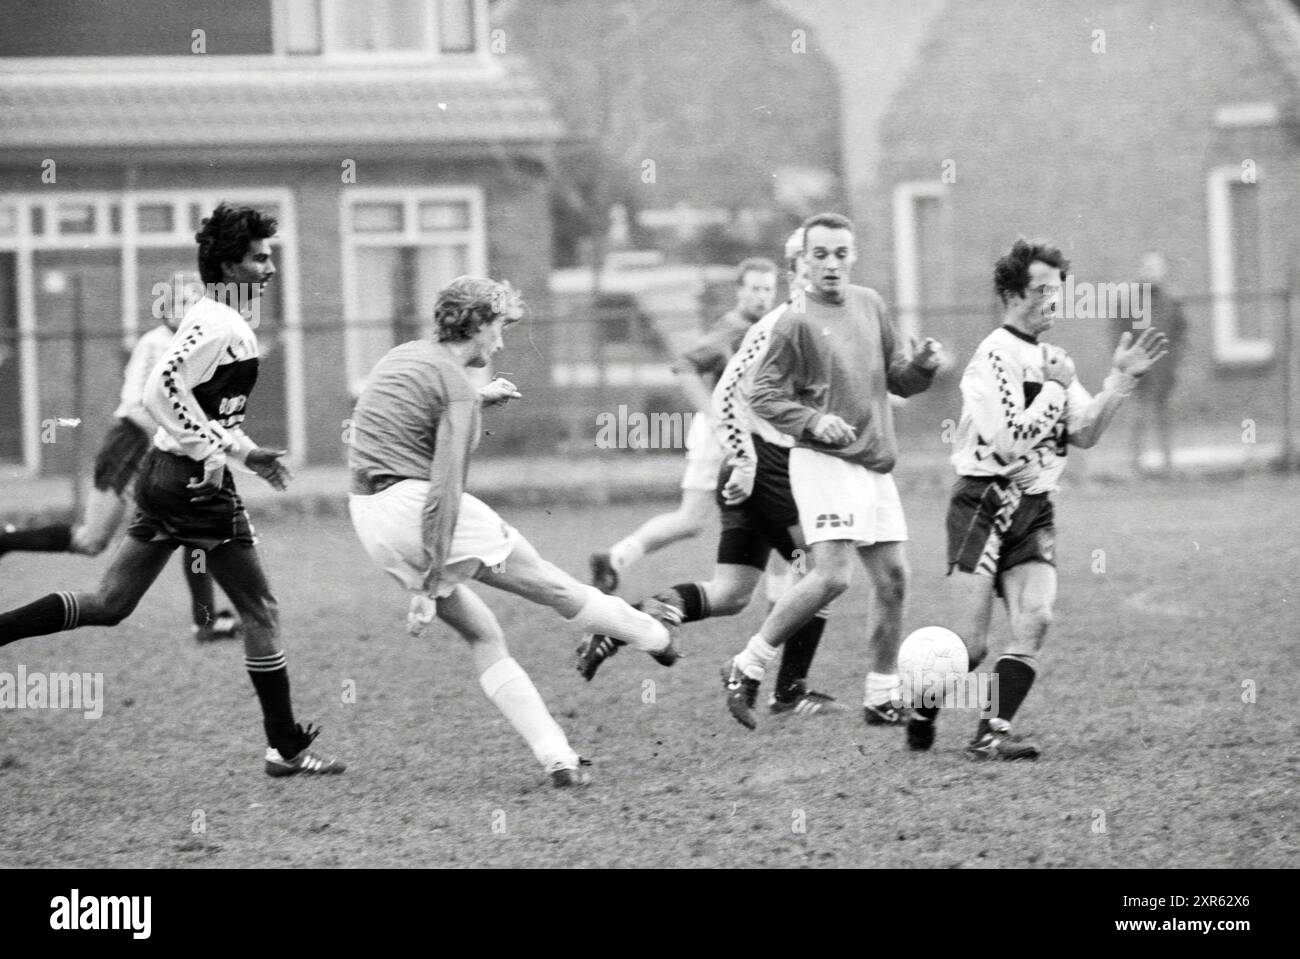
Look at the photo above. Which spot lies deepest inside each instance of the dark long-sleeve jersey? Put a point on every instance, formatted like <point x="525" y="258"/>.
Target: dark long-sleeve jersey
<point x="418" y="418"/>
<point x="843" y="358"/>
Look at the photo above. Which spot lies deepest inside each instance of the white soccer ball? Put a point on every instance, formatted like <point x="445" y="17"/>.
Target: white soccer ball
<point x="932" y="662"/>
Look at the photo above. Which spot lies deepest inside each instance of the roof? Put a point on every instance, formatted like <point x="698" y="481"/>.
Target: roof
<point x="259" y="101"/>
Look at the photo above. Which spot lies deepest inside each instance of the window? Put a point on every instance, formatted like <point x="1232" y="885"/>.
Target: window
<point x="400" y="249"/>
<point x="8" y="221"/>
<point x="1242" y="306"/>
<point x="922" y="254"/>
<point x="377" y="26"/>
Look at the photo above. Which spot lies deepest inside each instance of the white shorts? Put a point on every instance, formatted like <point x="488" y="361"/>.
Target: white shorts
<point x="839" y="500"/>
<point x="389" y="524"/>
<point x="704" y="455"/>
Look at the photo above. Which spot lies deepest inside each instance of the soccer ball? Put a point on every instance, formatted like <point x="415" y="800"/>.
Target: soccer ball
<point x="931" y="663"/>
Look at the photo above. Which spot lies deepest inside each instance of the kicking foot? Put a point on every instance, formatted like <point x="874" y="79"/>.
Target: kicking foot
<point x="303" y="760"/>
<point x="742" y="694"/>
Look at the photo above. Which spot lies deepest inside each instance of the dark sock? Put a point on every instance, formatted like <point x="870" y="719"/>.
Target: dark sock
<point x="1014" y="675"/>
<point x="270" y="678"/>
<point x="49" y="614"/>
<point x="796" y="658"/>
<point x="43" y="539"/>
<point x="694" y="604"/>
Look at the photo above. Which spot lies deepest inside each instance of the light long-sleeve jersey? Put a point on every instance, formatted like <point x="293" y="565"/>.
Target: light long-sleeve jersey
<point x="198" y="390"/>
<point x="1017" y="423"/>
<point x="733" y="419"/>
<point x="418" y="417"/>
<point x="843" y="357"/>
<point x="148" y="350"/>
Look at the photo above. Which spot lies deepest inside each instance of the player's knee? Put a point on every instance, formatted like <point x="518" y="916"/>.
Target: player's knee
<point x="891" y="586"/>
<point x="264" y="614"/>
<point x="1035" y="619"/>
<point x="834" y="579"/>
<point x="87" y="543"/>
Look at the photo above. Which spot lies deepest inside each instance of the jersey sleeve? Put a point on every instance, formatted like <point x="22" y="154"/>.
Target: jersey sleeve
<point x="729" y="423"/>
<point x="454" y="419"/>
<point x="992" y="390"/>
<point x="780" y="375"/>
<point x="903" y="377"/>
<point x="706" y="356"/>
<point x="191" y="359"/>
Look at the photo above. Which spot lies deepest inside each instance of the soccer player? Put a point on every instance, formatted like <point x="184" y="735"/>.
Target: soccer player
<point x="116" y="466"/>
<point x="831" y="361"/>
<point x="185" y="496"/>
<point x="698" y="371"/>
<point x="1022" y="408"/>
<point x="760" y="523"/>
<point x="413" y="430"/>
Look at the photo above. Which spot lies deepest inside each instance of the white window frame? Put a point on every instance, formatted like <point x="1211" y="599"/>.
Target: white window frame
<point x="329" y="40"/>
<point x="129" y="242"/>
<point x="475" y="239"/>
<point x="1230" y="347"/>
<point x="907" y="263"/>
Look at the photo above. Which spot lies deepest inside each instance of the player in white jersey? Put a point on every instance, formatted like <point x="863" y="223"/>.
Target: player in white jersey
<point x="414" y="427"/>
<point x="116" y="465"/>
<point x="697" y="371"/>
<point x="1022" y="408"/>
<point x="760" y="524"/>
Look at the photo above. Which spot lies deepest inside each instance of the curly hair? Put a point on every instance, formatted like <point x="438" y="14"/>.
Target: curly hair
<point x="835" y="221"/>
<point x="226" y="236"/>
<point x="468" y="302"/>
<point x="1011" y="272"/>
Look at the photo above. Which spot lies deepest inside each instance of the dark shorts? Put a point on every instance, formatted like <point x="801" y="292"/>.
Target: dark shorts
<point x="118" y="459"/>
<point x="993" y="527"/>
<point x="165" y="515"/>
<point x="750" y="530"/>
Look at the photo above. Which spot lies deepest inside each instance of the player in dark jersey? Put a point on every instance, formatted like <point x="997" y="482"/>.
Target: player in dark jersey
<point x="116" y="466"/>
<point x="197" y="393"/>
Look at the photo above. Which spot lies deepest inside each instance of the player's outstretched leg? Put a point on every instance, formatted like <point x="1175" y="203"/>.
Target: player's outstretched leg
<point x="525" y="573"/>
<point x="238" y="569"/>
<point x="886" y="565"/>
<point x="134" y="568"/>
<point x="654" y="534"/>
<point x="508" y="687"/>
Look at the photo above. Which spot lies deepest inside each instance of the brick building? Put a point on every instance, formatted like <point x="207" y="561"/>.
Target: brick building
<point x="1110" y="128"/>
<point x="396" y="146"/>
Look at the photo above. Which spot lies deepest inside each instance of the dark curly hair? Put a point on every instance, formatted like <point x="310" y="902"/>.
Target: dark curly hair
<point x="467" y="302"/>
<point x="836" y="221"/>
<point x="226" y="236"/>
<point x="1011" y="272"/>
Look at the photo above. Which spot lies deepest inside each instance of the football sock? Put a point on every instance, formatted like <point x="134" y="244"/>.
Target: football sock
<point x="270" y="677"/>
<point x="43" y="539"/>
<point x="694" y="602"/>
<point x="797" y="656"/>
<point x="49" y="614"/>
<point x="1014" y="673"/>
<point x="882" y="689"/>
<point x="625" y="552"/>
<point x="508" y="687"/>
<point x="757" y="655"/>
<point x="611" y="616"/>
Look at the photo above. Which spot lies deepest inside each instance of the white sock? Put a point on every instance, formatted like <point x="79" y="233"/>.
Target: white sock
<point x="613" y="617"/>
<point x="626" y="552"/>
<point x="757" y="655"/>
<point x="882" y="689"/>
<point x="512" y="692"/>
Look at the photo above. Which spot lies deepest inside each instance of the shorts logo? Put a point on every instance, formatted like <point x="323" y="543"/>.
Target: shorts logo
<point x="832" y="520"/>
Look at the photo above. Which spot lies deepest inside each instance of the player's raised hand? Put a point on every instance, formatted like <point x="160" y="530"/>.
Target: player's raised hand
<point x="930" y="356"/>
<point x="209" y="485"/>
<point x="740" y="483"/>
<point x="500" y="390"/>
<point x="833" y="431"/>
<point x="1136" y="357"/>
<point x="422" y="612"/>
<point x="266" y="464"/>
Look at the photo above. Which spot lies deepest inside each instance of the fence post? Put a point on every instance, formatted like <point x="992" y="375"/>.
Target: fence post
<point x="1288" y="380"/>
<point x="78" y="390"/>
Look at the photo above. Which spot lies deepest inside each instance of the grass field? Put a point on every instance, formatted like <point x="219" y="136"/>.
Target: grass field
<point x="1152" y="758"/>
